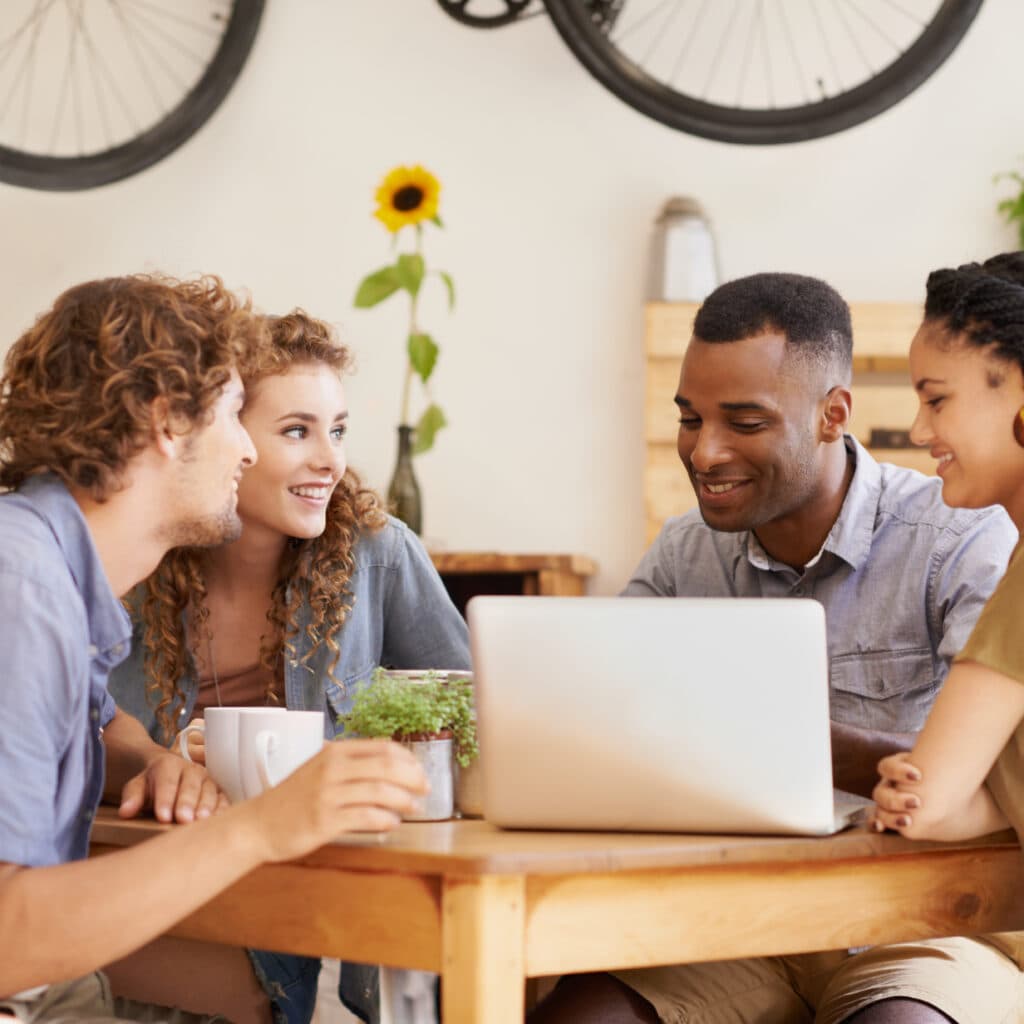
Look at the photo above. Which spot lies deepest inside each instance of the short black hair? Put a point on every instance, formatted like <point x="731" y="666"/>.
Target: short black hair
<point x="812" y="315"/>
<point x="981" y="303"/>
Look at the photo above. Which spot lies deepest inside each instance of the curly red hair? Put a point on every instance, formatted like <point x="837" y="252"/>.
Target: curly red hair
<point x="79" y="384"/>
<point x="315" y="571"/>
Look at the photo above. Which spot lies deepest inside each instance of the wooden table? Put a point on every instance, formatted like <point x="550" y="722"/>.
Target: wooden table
<point x="487" y="908"/>
<point x="468" y="573"/>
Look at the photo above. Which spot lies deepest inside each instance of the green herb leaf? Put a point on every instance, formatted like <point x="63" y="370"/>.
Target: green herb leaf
<point x="436" y="219"/>
<point x="409" y="272"/>
<point x="422" y="354"/>
<point x="376" y="287"/>
<point x="450" y="285"/>
<point x="430" y="423"/>
<point x="398" y="707"/>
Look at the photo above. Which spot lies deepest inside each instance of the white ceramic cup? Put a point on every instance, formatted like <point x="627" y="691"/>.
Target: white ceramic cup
<point x="225" y="758"/>
<point x="270" y="750"/>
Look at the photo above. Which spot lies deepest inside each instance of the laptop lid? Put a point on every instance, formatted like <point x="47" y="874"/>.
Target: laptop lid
<point x="663" y="714"/>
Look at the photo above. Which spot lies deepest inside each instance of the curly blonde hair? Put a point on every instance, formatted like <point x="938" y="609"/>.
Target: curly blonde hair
<point x="315" y="571"/>
<point x="79" y="385"/>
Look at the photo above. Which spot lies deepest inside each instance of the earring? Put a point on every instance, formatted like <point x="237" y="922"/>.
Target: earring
<point x="1018" y="427"/>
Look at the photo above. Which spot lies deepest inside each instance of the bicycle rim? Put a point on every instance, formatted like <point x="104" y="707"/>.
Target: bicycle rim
<point x="606" y="51"/>
<point x="151" y="141"/>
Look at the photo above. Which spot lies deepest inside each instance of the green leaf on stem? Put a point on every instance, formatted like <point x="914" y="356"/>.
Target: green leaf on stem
<point x="422" y="354"/>
<point x="376" y="287"/>
<point x="437" y="220"/>
<point x="450" y="285"/>
<point x="430" y="423"/>
<point x="409" y="271"/>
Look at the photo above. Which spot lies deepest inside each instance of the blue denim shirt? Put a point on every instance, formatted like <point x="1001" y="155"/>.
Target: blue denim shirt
<point x="902" y="578"/>
<point x="401" y="617"/>
<point x="61" y="631"/>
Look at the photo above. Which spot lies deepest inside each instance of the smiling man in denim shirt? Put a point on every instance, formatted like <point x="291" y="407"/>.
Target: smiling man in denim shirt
<point x="120" y="439"/>
<point x="792" y="506"/>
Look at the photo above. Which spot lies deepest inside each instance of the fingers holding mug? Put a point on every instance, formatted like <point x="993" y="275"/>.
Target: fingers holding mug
<point x="192" y="741"/>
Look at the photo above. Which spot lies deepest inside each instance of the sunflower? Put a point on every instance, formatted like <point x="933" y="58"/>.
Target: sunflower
<point x="408" y="195"/>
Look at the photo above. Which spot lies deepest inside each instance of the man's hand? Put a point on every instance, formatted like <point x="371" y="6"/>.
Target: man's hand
<point x="175" y="789"/>
<point x="350" y="786"/>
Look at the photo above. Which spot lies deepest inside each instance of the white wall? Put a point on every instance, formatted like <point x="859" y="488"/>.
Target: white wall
<point x="549" y="187"/>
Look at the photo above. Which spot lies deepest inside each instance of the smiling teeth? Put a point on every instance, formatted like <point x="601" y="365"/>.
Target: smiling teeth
<point x="310" y="492"/>
<point x="943" y="459"/>
<point x="719" y="488"/>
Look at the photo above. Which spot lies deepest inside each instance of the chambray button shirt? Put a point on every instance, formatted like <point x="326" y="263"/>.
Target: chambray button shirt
<point x="902" y="578"/>
<point x="62" y="630"/>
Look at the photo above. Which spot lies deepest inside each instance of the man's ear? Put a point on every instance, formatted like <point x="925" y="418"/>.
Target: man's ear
<point x="836" y="414"/>
<point x="164" y="439"/>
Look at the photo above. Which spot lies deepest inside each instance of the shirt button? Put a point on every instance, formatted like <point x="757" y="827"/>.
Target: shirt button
<point x="94" y="714"/>
<point x="117" y="650"/>
<point x="92" y="651"/>
<point x="86" y="815"/>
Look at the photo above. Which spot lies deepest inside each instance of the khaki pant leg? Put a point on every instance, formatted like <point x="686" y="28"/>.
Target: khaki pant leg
<point x="970" y="981"/>
<point x="759" y="990"/>
<point x="88" y="1000"/>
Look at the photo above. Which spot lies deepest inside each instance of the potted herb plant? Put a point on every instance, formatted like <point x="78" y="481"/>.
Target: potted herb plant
<point x="431" y="713"/>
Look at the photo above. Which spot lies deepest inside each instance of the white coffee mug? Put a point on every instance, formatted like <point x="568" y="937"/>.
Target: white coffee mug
<point x="271" y="750"/>
<point x="224" y="759"/>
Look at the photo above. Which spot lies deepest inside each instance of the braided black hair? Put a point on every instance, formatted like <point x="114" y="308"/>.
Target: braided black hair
<point x="812" y="315"/>
<point x="981" y="304"/>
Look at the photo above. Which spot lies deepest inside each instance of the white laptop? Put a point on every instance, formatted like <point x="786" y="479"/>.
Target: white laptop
<point x="655" y="714"/>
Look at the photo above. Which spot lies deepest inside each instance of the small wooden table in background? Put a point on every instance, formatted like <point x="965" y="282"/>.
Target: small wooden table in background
<point x="466" y="574"/>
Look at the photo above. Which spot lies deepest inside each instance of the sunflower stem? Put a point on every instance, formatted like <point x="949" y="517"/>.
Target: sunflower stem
<point x="413" y="329"/>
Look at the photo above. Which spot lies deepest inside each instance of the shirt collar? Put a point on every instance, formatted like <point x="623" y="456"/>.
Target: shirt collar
<point x="109" y="625"/>
<point x="851" y="533"/>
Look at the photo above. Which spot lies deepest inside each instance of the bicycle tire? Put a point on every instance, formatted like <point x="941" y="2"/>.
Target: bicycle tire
<point x="75" y="173"/>
<point x="630" y="83"/>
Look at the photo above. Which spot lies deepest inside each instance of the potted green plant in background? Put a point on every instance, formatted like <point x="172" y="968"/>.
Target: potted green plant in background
<point x="1012" y="208"/>
<point x="431" y="713"/>
<point x="408" y="197"/>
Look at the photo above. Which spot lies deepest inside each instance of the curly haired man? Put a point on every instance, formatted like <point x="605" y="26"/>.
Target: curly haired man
<point x="120" y="439"/>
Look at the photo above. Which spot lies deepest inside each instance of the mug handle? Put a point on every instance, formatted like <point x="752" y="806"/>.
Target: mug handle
<point x="265" y="746"/>
<point x="197" y="725"/>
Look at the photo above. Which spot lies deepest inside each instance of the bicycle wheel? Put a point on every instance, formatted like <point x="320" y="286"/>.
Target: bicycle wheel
<point x="761" y="71"/>
<point x="91" y="93"/>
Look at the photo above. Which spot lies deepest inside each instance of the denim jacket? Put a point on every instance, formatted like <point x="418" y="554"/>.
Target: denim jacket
<point x="400" y="617"/>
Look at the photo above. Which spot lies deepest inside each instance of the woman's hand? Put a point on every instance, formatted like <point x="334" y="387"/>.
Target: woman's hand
<point x="896" y="795"/>
<point x="195" y="741"/>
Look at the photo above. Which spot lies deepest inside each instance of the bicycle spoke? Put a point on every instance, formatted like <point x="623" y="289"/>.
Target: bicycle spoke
<point x="767" y="57"/>
<point x="24" y="70"/>
<point x="36" y="15"/>
<point x="722" y="43"/>
<point x="200" y="26"/>
<point x="197" y="58"/>
<point x="788" y="32"/>
<point x="828" y="52"/>
<point x="64" y="85"/>
<point x="745" y="65"/>
<point x="621" y="36"/>
<point x="140" y="61"/>
<point x="896" y="48"/>
<point x="677" y="69"/>
<point x="663" y="34"/>
<point x="853" y="38"/>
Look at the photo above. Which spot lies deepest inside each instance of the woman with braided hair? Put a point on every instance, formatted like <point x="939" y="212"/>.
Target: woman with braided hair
<point x="320" y="588"/>
<point x="965" y="774"/>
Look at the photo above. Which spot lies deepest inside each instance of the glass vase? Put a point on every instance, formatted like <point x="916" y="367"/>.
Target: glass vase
<point x="403" y="491"/>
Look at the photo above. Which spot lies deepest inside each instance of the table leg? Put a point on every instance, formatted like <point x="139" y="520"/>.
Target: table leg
<point x="483" y="964"/>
